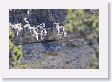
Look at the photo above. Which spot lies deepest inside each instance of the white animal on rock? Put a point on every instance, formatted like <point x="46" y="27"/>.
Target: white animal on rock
<point x="43" y="33"/>
<point x="57" y="27"/>
<point x="27" y="26"/>
<point x="38" y="31"/>
<point x="60" y="30"/>
<point x="17" y="28"/>
<point x="35" y="33"/>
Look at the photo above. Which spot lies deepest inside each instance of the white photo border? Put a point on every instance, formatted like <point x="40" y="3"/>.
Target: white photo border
<point x="102" y="72"/>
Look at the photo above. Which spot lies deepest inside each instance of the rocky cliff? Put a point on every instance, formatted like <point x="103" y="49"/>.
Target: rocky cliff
<point x="74" y="53"/>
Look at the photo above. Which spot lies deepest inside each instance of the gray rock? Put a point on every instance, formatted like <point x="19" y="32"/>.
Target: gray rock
<point x="57" y="56"/>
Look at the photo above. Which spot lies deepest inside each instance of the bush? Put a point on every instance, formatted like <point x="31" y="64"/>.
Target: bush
<point x="83" y="21"/>
<point x="15" y="52"/>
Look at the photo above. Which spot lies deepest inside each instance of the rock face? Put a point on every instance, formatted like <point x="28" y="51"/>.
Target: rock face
<point x="57" y="55"/>
<point x="37" y="16"/>
<point x="69" y="54"/>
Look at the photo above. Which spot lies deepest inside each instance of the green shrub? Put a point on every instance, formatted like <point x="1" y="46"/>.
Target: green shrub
<point x="83" y="22"/>
<point x="15" y="52"/>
